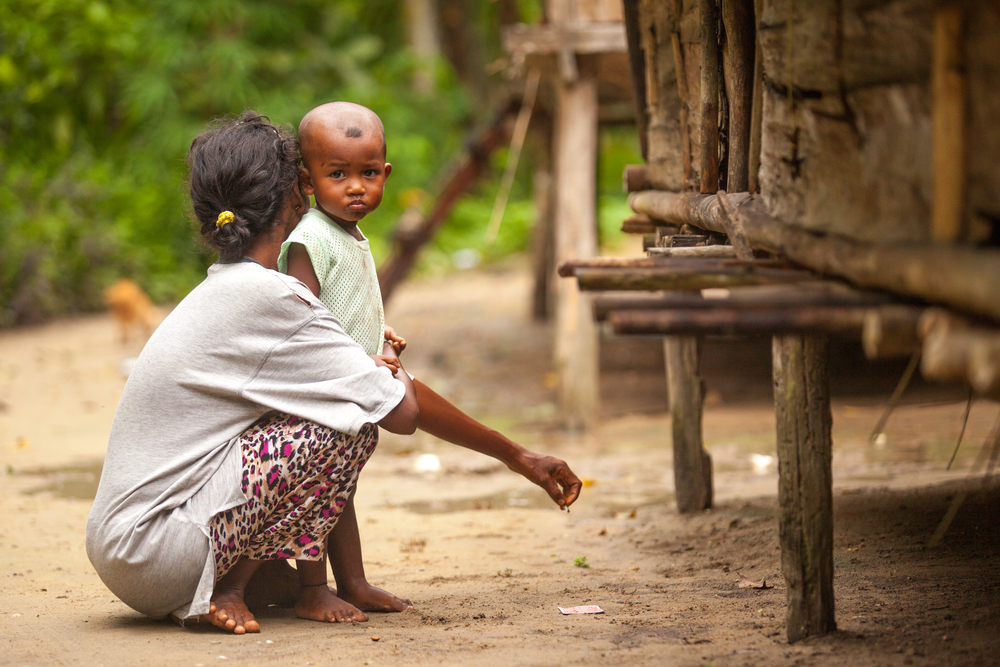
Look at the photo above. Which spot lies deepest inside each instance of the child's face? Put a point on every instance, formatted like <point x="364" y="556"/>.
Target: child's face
<point x="347" y="176"/>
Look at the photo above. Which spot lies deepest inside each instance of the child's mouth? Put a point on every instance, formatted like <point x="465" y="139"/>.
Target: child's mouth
<point x="356" y="206"/>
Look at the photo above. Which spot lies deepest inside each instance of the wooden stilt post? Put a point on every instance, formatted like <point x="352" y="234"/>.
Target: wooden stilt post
<point x="576" y="343"/>
<point x="692" y="464"/>
<point x="802" y="406"/>
<point x="542" y="236"/>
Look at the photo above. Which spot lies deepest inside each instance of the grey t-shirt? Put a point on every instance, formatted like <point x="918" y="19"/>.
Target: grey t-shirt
<point x="245" y="342"/>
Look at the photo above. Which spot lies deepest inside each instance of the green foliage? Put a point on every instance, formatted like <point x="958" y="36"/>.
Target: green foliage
<point x="100" y="99"/>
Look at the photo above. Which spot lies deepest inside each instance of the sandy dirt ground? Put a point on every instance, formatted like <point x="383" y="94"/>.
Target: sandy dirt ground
<point x="487" y="559"/>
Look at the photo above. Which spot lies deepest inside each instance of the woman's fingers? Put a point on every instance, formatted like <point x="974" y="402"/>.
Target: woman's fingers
<point x="558" y="481"/>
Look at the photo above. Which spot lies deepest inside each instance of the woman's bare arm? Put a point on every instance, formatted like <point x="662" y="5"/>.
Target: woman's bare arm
<point x="442" y="419"/>
<point x="404" y="417"/>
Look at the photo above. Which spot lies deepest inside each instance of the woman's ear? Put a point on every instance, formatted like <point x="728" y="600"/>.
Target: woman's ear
<point x="306" y="180"/>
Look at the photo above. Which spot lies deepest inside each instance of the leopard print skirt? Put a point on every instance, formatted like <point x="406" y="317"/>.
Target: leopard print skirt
<point x="297" y="478"/>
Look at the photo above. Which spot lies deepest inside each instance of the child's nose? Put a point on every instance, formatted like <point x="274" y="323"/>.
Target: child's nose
<point x="355" y="186"/>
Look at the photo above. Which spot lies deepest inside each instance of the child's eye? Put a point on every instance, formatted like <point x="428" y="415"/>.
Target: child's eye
<point x="371" y="173"/>
<point x="337" y="174"/>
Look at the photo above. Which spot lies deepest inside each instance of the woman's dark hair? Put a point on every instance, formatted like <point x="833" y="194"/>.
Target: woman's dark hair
<point x="247" y="166"/>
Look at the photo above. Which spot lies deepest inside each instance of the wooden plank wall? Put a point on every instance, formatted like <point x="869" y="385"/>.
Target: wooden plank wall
<point x="847" y="140"/>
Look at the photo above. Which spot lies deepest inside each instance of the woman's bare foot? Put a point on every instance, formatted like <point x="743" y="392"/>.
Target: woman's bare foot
<point x="320" y="603"/>
<point x="367" y="597"/>
<point x="229" y="612"/>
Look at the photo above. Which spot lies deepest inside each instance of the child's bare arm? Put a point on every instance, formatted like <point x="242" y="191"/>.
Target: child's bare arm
<point x="300" y="266"/>
<point x="398" y="342"/>
<point x="442" y="419"/>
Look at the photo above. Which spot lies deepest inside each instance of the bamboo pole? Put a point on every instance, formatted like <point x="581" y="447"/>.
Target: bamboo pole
<point x="739" y="22"/>
<point x="949" y="87"/>
<point x="635" y="177"/>
<point x="757" y="109"/>
<point x="709" y="15"/>
<point x="682" y="92"/>
<point x="961" y="277"/>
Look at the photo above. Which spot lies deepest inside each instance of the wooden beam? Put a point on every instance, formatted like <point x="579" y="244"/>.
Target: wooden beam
<point x="637" y="65"/>
<point x="635" y="177"/>
<point x="709" y="16"/>
<point x="949" y="89"/>
<point x="522" y="40"/>
<point x="955" y="349"/>
<point x="724" y="321"/>
<point x="891" y="331"/>
<point x="964" y="278"/>
<point x="692" y="464"/>
<point x="805" y="481"/>
<point x="738" y="58"/>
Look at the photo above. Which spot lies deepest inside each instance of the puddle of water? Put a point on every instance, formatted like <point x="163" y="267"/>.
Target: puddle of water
<point x="533" y="498"/>
<point x="77" y="482"/>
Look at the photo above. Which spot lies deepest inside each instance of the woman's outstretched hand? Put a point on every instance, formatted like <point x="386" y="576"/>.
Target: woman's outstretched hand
<point x="551" y="474"/>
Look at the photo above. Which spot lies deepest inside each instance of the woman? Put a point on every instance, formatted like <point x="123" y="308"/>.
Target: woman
<point x="248" y="416"/>
<point x="207" y="473"/>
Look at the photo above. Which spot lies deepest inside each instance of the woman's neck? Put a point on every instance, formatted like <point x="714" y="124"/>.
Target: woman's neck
<point x="266" y="249"/>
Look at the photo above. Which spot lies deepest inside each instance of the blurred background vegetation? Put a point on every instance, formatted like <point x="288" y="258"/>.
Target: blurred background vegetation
<point x="99" y="101"/>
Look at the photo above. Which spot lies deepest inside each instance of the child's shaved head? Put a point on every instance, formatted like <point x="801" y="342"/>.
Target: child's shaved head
<point x="345" y="119"/>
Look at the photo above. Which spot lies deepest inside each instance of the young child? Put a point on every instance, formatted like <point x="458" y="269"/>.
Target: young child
<point x="343" y="153"/>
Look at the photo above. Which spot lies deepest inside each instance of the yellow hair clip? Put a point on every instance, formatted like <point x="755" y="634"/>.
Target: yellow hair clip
<point x="225" y="218"/>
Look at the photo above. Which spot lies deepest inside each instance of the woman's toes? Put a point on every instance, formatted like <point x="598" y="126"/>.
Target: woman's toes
<point x="252" y="626"/>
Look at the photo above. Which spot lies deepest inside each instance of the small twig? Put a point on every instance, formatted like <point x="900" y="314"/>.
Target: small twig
<point x="904" y="382"/>
<point x="516" y="143"/>
<point x="961" y="434"/>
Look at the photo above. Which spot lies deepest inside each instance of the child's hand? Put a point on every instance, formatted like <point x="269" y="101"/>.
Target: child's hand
<point x="388" y="361"/>
<point x="397" y="341"/>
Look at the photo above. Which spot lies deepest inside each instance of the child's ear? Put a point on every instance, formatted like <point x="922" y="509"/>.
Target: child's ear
<point x="306" y="179"/>
<point x="388" y="169"/>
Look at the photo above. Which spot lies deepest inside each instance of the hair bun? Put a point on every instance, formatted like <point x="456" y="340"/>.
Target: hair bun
<point x="224" y="218"/>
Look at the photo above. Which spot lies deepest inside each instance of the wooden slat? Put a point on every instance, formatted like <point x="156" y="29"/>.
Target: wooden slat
<point x="708" y="251"/>
<point x="819" y="293"/>
<point x="678" y="265"/>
